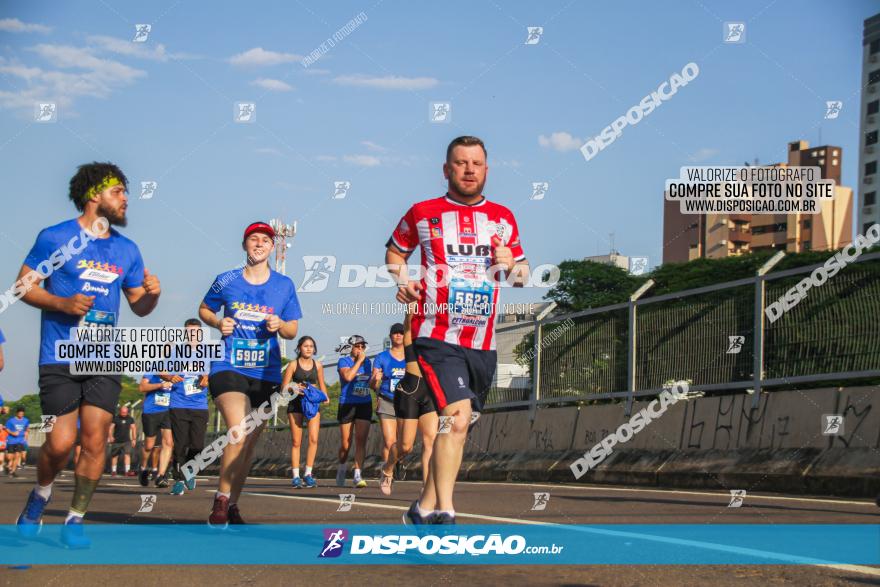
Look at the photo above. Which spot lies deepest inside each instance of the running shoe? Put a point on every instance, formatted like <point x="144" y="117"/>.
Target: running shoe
<point x="178" y="488"/>
<point x="297" y="483"/>
<point x="340" y="476"/>
<point x="130" y="473"/>
<point x="113" y="474"/>
<point x="443" y="519"/>
<point x="385" y="484"/>
<point x="30" y="521"/>
<point x="73" y="534"/>
<point x="219" y="518"/>
<point x="235" y="515"/>
<point x="162" y="481"/>
<point x="310" y="481"/>
<point x="360" y="483"/>
<point x="190" y="483"/>
<point x="412" y="517"/>
<point x="144" y="477"/>
<point x="14" y="474"/>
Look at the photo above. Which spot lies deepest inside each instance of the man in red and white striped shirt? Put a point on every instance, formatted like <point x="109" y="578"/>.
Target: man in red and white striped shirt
<point x="468" y="246"/>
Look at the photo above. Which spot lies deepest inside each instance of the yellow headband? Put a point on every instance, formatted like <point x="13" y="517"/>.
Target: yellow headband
<point x="108" y="181"/>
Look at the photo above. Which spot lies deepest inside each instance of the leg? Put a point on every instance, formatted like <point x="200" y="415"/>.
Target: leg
<point x="448" y="451"/>
<point x="389" y="436"/>
<point x="361" y="432"/>
<point x="147" y="451"/>
<point x="233" y="405"/>
<point x="344" y="441"/>
<point x="95" y="424"/>
<point x="428" y="424"/>
<point x="179" y="438"/>
<point x="296" y="433"/>
<point x="314" y="429"/>
<point x="126" y="458"/>
<point x="114" y="461"/>
<point x="166" y="450"/>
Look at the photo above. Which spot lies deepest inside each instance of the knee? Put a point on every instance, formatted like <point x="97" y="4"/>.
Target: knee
<point x="405" y="448"/>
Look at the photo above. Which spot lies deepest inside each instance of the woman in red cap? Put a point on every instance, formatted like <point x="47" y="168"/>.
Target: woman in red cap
<point x="259" y="305"/>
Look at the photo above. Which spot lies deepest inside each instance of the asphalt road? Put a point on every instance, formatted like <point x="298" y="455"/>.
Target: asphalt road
<point x="274" y="501"/>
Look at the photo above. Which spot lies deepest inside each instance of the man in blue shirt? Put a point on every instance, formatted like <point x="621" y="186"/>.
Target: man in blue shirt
<point x="85" y="267"/>
<point x="189" y="419"/>
<point x="355" y="407"/>
<point x="16" y="443"/>
<point x="156" y="425"/>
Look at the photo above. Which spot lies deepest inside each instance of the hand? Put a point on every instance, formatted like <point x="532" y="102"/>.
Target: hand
<point x="176" y="379"/>
<point x="273" y="323"/>
<point x="166" y="385"/>
<point x="501" y="254"/>
<point x="203" y="381"/>
<point x="227" y="325"/>
<point x="358" y="352"/>
<point x="77" y="304"/>
<point x="409" y="293"/>
<point x="151" y="284"/>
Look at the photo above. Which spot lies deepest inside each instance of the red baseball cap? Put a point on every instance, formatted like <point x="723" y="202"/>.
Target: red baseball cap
<point x="259" y="227"/>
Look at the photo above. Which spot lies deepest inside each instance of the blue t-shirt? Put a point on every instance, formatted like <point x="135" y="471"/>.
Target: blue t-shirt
<point x="251" y="349"/>
<point x="392" y="372"/>
<point x="2" y="338"/>
<point x="157" y="401"/>
<point x="102" y="268"/>
<point x="356" y="391"/>
<point x="187" y="394"/>
<point x="18" y="426"/>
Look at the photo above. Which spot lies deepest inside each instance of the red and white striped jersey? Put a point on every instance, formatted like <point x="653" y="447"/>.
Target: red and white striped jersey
<point x="459" y="294"/>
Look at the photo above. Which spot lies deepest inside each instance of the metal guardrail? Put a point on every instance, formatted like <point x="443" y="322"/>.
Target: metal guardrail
<point x="632" y="349"/>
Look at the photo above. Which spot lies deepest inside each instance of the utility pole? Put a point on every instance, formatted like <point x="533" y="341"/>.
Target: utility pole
<point x="282" y="233"/>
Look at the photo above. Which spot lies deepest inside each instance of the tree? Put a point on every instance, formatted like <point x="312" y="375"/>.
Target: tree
<point x="587" y="284"/>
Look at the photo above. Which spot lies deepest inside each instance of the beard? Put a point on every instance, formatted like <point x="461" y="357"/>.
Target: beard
<point x="465" y="189"/>
<point x="114" y="217"/>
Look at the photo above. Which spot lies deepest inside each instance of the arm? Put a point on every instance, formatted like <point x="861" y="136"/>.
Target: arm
<point x="111" y="431"/>
<point x="1" y="358"/>
<point x="395" y="260"/>
<point x="38" y="297"/>
<point x="349" y="373"/>
<point x="287" y="377"/>
<point x="209" y="317"/>
<point x="147" y="387"/>
<point x="376" y="379"/>
<point x="132" y="429"/>
<point x="321" y="385"/>
<point x="285" y="329"/>
<point x="143" y="299"/>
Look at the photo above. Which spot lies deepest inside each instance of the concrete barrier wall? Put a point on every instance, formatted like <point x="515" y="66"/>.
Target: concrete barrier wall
<point x="712" y="442"/>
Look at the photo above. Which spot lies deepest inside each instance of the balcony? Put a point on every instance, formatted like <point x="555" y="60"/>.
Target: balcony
<point x="738" y="235"/>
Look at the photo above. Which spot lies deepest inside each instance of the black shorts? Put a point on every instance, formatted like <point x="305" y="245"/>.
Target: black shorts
<point x="117" y="448"/>
<point x="412" y="398"/>
<point x="295" y="406"/>
<point x="455" y="373"/>
<point x="62" y="393"/>
<point x="155" y="422"/>
<point x="188" y="427"/>
<point x="257" y="390"/>
<point x="14" y="448"/>
<point x="350" y="412"/>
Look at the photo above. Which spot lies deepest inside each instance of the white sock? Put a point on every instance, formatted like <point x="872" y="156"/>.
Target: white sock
<point x="221" y="494"/>
<point x="71" y="515"/>
<point x="43" y="492"/>
<point x="127" y="467"/>
<point x="450" y="512"/>
<point x="155" y="470"/>
<point x="424" y="513"/>
<point x="357" y="474"/>
<point x="308" y="471"/>
<point x="295" y="472"/>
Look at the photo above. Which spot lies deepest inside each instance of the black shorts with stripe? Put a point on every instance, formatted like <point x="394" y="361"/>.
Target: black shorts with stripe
<point x="455" y="373"/>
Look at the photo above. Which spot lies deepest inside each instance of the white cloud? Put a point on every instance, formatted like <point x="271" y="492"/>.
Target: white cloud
<point x="388" y="82"/>
<point x="13" y="25"/>
<point x="362" y="160"/>
<point x="560" y="141"/>
<point x="702" y="154"/>
<point x="126" y="47"/>
<point x="374" y="147"/>
<point x="268" y="151"/>
<point x="325" y="158"/>
<point x="259" y="57"/>
<point x="273" y="85"/>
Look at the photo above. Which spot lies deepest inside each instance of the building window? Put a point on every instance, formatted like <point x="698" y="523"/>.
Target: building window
<point x="807" y="223"/>
<point x="834" y="153"/>
<point x="874" y="47"/>
<point x="821" y="161"/>
<point x="873" y="107"/>
<point x="874" y="77"/>
<point x="807" y="245"/>
<point x="814" y="154"/>
<point x="870" y="199"/>
<point x="870" y="138"/>
<point x="870" y="168"/>
<point x="834" y="162"/>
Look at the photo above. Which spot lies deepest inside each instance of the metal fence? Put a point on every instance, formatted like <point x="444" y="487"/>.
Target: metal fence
<point x="632" y="349"/>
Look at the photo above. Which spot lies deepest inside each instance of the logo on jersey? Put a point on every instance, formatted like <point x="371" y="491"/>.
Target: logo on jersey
<point x="436" y="232"/>
<point x="334" y="541"/>
<point x="88" y="287"/>
<point x="97" y="271"/>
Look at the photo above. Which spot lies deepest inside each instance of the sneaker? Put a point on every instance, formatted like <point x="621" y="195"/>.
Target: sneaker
<point x="412" y="517"/>
<point x="113" y="474"/>
<point x="73" y="534"/>
<point x="130" y="473"/>
<point x="162" y="481"/>
<point x="340" y="476"/>
<point x="443" y="519"/>
<point x="385" y="484"/>
<point x="30" y="521"/>
<point x="153" y="474"/>
<point x="310" y="481"/>
<point x="360" y="483"/>
<point x="178" y="489"/>
<point x="219" y="518"/>
<point x="190" y="484"/>
<point x="297" y="483"/>
<point x="14" y="474"/>
<point x="144" y="477"/>
<point x="235" y="515"/>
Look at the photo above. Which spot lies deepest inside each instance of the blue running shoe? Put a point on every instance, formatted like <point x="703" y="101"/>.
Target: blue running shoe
<point x="179" y="488"/>
<point x="73" y="534"/>
<point x="412" y="517"/>
<point x="297" y="483"/>
<point x="310" y="481"/>
<point x="443" y="519"/>
<point x="191" y="483"/>
<point x="30" y="521"/>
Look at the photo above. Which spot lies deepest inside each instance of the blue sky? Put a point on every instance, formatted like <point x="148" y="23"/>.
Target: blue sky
<point x="163" y="111"/>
